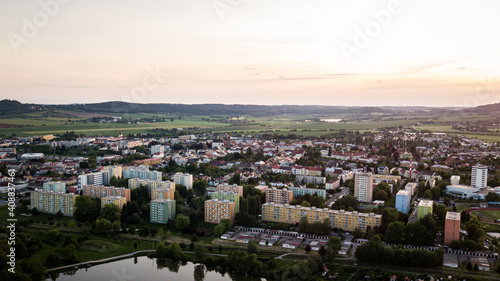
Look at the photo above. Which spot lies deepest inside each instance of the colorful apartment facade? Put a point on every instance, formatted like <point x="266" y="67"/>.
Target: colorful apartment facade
<point x="230" y="188"/>
<point x="217" y="210"/>
<point x="451" y="227"/>
<point x="279" y="196"/>
<point x="341" y="219"/>
<point x="231" y="196"/>
<point x="53" y="202"/>
<point x="162" y="210"/>
<point x="117" y="200"/>
<point x="162" y="193"/>
<point x="103" y="191"/>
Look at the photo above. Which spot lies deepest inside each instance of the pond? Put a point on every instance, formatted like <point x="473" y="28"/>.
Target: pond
<point x="144" y="268"/>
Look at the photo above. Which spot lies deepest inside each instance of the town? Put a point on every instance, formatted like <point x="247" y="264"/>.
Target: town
<point x="399" y="197"/>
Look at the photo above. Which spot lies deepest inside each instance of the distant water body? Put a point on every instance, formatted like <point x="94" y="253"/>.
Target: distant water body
<point x="151" y="269"/>
<point x="331" y="120"/>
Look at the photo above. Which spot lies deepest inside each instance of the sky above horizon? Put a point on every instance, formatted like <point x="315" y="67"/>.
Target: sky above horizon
<point x="324" y="52"/>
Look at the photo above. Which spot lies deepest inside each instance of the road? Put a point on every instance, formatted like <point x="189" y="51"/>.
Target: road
<point x="344" y="191"/>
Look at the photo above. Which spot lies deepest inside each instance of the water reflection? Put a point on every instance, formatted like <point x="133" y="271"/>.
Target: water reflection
<point x="144" y="268"/>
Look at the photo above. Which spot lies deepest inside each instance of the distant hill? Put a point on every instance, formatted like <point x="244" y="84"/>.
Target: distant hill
<point x="489" y="109"/>
<point x="117" y="107"/>
<point x="15" y="108"/>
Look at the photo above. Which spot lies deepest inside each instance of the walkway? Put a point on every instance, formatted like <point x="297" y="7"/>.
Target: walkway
<point x="102" y="260"/>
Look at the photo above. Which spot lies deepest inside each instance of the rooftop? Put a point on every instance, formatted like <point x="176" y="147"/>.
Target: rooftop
<point x="453" y="216"/>
<point x="425" y="203"/>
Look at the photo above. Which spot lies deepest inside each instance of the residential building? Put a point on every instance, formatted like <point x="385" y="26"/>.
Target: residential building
<point x="341" y="219"/>
<point x="103" y="191"/>
<point x="150" y="184"/>
<point x="332" y="184"/>
<point x="162" y="193"/>
<point x="157" y="149"/>
<point x="230" y="188"/>
<point x="424" y="208"/>
<point x="412" y="188"/>
<point x="301" y="191"/>
<point x="403" y="199"/>
<point x="217" y="210"/>
<point x="184" y="179"/>
<point x="384" y="170"/>
<point x="117" y="200"/>
<point x="231" y="196"/>
<point x="53" y="202"/>
<point x="455" y="180"/>
<point x="162" y="210"/>
<point x="378" y="178"/>
<point x="114" y="171"/>
<point x="141" y="172"/>
<point x="279" y="196"/>
<point x="451" y="227"/>
<point x="98" y="178"/>
<point x="311" y="179"/>
<point x="55" y="186"/>
<point x="479" y="177"/>
<point x="363" y="187"/>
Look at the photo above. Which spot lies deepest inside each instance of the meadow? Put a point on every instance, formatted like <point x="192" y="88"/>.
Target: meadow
<point x="60" y="122"/>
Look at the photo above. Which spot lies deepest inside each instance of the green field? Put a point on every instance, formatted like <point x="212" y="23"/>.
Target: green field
<point x="60" y="122"/>
<point x="487" y="214"/>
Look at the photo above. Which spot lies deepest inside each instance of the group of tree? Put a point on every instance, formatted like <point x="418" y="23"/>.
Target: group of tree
<point x="348" y="202"/>
<point x="375" y="252"/>
<point x="474" y="239"/>
<point x="318" y="228"/>
<point x="307" y="269"/>
<point x="382" y="192"/>
<point x="420" y="233"/>
<point x="308" y="200"/>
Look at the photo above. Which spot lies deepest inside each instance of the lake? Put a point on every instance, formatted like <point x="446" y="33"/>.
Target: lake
<point x="151" y="269"/>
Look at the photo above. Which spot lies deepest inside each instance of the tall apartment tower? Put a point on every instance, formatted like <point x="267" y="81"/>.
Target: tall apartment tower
<point x="363" y="187"/>
<point x="479" y="176"/>
<point x="184" y="179"/>
<point x="451" y="227"/>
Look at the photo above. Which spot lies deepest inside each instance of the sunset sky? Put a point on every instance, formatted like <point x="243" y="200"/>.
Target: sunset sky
<point x="433" y="53"/>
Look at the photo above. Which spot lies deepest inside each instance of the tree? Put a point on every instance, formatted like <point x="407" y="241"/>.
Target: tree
<point x="34" y="268"/>
<point x="68" y="254"/>
<point x="199" y="272"/>
<point x="395" y="233"/>
<point x="492" y="197"/>
<point x="86" y="209"/>
<point x="334" y="243"/>
<point x="252" y="248"/>
<point x="53" y="259"/>
<point x="304" y="224"/>
<point x="219" y="230"/>
<point x="308" y="248"/>
<point x="111" y="212"/>
<point x="181" y="222"/>
<point x="103" y="226"/>
<point x="199" y="250"/>
<point x="70" y="240"/>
